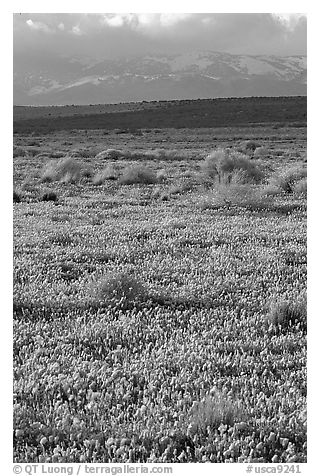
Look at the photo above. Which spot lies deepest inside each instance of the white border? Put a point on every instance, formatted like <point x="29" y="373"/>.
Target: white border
<point x="313" y="180"/>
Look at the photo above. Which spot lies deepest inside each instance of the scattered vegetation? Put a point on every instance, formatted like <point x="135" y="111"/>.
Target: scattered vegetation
<point x="139" y="155"/>
<point x="143" y="330"/>
<point x="201" y="113"/>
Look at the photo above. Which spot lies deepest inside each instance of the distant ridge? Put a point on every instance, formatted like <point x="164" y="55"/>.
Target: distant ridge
<point x="167" y="114"/>
<point x="195" y="75"/>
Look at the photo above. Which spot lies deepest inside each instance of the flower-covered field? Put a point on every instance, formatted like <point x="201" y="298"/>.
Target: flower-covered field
<point x="153" y="323"/>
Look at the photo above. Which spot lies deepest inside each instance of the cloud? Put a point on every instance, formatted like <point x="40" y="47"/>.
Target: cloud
<point x="145" y="22"/>
<point x="111" y="35"/>
<point x="115" y="20"/>
<point x="290" y="20"/>
<point x="38" y="26"/>
<point x="76" y="30"/>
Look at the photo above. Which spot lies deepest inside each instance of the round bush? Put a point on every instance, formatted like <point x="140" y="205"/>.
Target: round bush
<point x="120" y="286"/>
<point x="136" y="174"/>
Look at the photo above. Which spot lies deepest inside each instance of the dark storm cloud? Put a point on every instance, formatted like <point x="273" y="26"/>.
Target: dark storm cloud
<point x="113" y="35"/>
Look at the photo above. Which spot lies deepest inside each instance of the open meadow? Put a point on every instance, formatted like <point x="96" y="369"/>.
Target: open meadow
<point x="160" y="295"/>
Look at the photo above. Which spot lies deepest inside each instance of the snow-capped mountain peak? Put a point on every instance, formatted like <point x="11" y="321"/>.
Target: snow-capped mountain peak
<point x="160" y="77"/>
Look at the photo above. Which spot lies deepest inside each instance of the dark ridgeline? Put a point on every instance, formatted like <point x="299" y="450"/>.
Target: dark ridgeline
<point x="220" y="112"/>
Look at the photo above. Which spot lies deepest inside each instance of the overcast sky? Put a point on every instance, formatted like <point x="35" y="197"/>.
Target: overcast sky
<point x="110" y="35"/>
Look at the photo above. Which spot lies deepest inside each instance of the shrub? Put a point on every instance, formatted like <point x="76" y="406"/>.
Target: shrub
<point x="286" y="179"/>
<point x="236" y="195"/>
<point x="300" y="187"/>
<point x="286" y="314"/>
<point x="225" y="165"/>
<point x="250" y="146"/>
<point x="237" y="176"/>
<point x="260" y="152"/>
<point x="182" y="186"/>
<point x="235" y="162"/>
<point x="211" y="163"/>
<point x="109" y="173"/>
<point x="161" y="176"/>
<point x="167" y="154"/>
<point x="49" y="172"/>
<point x="49" y="197"/>
<point x="214" y="410"/>
<point x="270" y="190"/>
<point x="157" y="192"/>
<point x="112" y="154"/>
<point x="120" y="286"/>
<point x="136" y="174"/>
<point x="66" y="170"/>
<point x="16" y="197"/>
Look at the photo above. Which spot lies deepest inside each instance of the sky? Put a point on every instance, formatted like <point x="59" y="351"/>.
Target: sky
<point x="112" y="35"/>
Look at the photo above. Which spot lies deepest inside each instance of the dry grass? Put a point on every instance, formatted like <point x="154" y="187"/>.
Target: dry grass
<point x="226" y="166"/>
<point x="300" y="187"/>
<point x="235" y="195"/>
<point x="287" y="314"/>
<point x="286" y="179"/>
<point x="138" y="174"/>
<point x="108" y="173"/>
<point x="214" y="410"/>
<point x="67" y="170"/>
<point x="260" y="152"/>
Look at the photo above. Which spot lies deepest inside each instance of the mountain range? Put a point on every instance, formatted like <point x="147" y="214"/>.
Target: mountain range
<point x="196" y="75"/>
